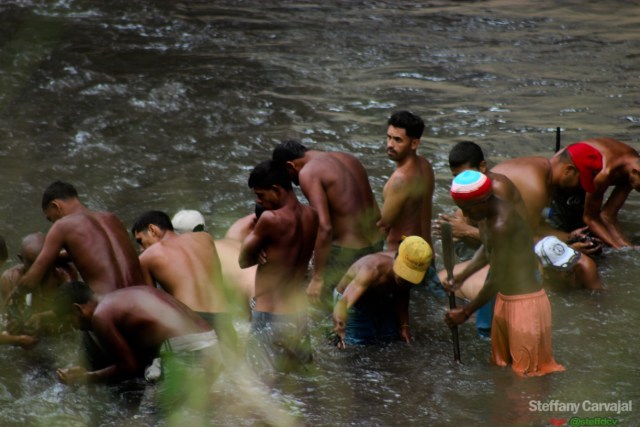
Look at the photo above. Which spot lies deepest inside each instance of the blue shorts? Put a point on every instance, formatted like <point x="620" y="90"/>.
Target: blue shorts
<point x="371" y="319"/>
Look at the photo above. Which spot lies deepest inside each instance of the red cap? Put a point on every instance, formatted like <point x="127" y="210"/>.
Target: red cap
<point x="471" y="185"/>
<point x="588" y="160"/>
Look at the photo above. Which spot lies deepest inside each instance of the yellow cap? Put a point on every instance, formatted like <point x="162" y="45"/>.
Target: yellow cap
<point x="413" y="259"/>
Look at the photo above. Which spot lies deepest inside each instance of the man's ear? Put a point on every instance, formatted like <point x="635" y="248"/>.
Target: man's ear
<point x="414" y="143"/>
<point x="291" y="167"/>
<point x="56" y="206"/>
<point x="78" y="308"/>
<point x="483" y="167"/>
<point x="154" y="231"/>
<point x="276" y="189"/>
<point x="569" y="168"/>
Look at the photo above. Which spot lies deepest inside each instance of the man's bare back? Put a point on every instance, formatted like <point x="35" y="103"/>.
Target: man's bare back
<point x="98" y="245"/>
<point x="350" y="205"/>
<point x="187" y="266"/>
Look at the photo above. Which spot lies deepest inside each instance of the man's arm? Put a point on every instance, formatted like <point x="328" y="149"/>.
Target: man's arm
<point x="395" y="195"/>
<point x="604" y="224"/>
<point x="146" y="262"/>
<point x="358" y="283"/>
<point x="461" y="229"/>
<point x="254" y="243"/>
<point x="401" y="306"/>
<point x="478" y="261"/>
<point x="125" y="366"/>
<point x="53" y="243"/>
<point x="317" y="197"/>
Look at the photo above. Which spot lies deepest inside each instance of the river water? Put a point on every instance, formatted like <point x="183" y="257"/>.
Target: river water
<point x="169" y="104"/>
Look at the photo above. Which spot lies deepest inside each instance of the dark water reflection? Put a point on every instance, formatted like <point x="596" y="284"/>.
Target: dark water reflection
<point x="167" y="105"/>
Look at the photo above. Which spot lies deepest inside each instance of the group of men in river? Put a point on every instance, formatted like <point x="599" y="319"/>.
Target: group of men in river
<point x="531" y="223"/>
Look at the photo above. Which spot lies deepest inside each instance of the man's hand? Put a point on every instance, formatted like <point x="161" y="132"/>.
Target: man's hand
<point x="405" y="334"/>
<point x="340" y="322"/>
<point x="453" y="284"/>
<point x="72" y="376"/>
<point x="460" y="228"/>
<point x="455" y="317"/>
<point x="340" y="329"/>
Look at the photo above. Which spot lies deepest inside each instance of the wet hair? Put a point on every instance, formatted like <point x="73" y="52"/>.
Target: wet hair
<point x="70" y="293"/>
<point x="269" y="173"/>
<point x="157" y="218"/>
<point x="411" y="123"/>
<point x="58" y="190"/>
<point x="466" y="152"/>
<point x="287" y="151"/>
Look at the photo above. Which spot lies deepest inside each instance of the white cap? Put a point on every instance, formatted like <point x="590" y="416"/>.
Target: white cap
<point x="554" y="253"/>
<point x="187" y="220"/>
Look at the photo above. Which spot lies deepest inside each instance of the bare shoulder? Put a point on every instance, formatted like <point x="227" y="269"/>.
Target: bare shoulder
<point x="398" y="180"/>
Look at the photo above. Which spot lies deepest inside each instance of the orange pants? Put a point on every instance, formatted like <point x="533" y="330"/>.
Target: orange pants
<point x="521" y="334"/>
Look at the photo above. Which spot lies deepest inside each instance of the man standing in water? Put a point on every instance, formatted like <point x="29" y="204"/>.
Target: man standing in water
<point x="521" y="329"/>
<point x="408" y="193"/>
<point x="186" y="266"/>
<point x="96" y="242"/>
<point x="337" y="186"/>
<point x="281" y="244"/>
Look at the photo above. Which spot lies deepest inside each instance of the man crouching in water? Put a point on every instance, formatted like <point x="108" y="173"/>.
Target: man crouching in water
<point x="135" y="325"/>
<point x="281" y="244"/>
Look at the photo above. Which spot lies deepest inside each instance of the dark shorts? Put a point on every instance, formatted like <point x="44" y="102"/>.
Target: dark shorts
<point x="340" y="259"/>
<point x="278" y="342"/>
<point x="372" y="319"/>
<point x="566" y="210"/>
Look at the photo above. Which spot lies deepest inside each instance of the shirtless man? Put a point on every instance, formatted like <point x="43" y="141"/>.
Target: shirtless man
<point x="186" y="266"/>
<point x="621" y="169"/>
<point x="521" y="329"/>
<point x="39" y="306"/>
<point x="6" y="337"/>
<point x="337" y="186"/>
<point x="237" y="279"/>
<point x="373" y="296"/>
<point x="281" y="244"/>
<point x="135" y="325"/>
<point x="468" y="155"/>
<point x="96" y="242"/>
<point x="408" y="193"/>
<point x="539" y="178"/>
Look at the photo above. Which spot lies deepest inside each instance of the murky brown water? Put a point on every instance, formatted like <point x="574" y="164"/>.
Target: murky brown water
<point x="168" y="105"/>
